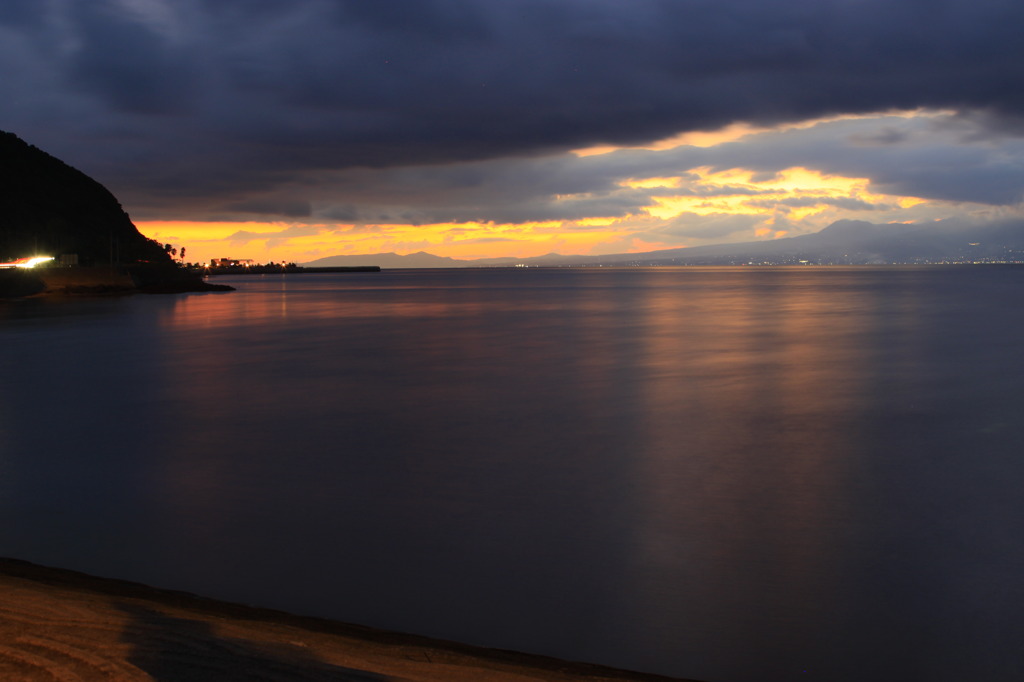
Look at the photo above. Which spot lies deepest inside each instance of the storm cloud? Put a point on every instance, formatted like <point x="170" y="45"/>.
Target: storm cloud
<point x="203" y="97"/>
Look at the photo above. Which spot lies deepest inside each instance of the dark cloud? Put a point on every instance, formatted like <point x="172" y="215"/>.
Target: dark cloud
<point x="19" y="12"/>
<point x="705" y="227"/>
<point x="290" y="208"/>
<point x="883" y="137"/>
<point x="924" y="158"/>
<point x="211" y="101"/>
<point x="345" y="213"/>
<point x="129" y="65"/>
<point x="847" y="203"/>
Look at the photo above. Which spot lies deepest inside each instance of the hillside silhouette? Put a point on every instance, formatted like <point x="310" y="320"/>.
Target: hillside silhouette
<point x="49" y="208"/>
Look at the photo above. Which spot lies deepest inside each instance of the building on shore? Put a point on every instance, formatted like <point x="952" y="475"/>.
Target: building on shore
<point x="231" y="263"/>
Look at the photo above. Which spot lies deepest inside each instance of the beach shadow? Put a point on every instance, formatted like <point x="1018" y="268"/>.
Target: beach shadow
<point x="177" y="649"/>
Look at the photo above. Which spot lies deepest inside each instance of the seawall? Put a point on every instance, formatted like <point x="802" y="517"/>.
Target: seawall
<point x="94" y="279"/>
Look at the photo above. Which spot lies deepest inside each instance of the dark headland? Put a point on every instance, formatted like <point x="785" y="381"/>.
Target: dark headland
<point x="49" y="208"/>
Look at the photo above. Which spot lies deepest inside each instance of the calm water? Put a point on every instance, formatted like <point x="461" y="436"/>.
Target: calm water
<point x="733" y="475"/>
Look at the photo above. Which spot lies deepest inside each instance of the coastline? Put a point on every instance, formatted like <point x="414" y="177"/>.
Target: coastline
<point x="102" y="281"/>
<point x="132" y="279"/>
<point x="61" y="624"/>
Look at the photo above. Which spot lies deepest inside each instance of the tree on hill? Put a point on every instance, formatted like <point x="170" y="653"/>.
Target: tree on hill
<point x="49" y="208"/>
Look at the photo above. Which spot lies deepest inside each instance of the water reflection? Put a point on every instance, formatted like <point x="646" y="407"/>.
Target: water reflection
<point x="750" y="429"/>
<point x="726" y="474"/>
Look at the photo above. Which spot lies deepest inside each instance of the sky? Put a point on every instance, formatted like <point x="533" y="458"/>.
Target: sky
<point x="290" y="130"/>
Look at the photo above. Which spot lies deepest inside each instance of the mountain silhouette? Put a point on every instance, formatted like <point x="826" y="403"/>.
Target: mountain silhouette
<point x="49" y="208"/>
<point x="852" y="242"/>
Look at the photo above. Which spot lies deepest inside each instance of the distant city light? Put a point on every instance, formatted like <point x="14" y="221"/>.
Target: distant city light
<point x="27" y="262"/>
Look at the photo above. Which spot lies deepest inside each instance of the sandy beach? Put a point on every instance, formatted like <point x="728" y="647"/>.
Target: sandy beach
<point x="71" y="627"/>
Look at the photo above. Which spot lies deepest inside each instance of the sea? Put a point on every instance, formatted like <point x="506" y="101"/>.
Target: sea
<point x="735" y="474"/>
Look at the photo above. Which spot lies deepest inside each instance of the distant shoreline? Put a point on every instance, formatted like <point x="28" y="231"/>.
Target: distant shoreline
<point x="102" y="281"/>
<point x="277" y="270"/>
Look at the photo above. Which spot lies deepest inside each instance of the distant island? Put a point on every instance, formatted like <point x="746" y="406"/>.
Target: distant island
<point x="845" y="242"/>
<point x="48" y="208"/>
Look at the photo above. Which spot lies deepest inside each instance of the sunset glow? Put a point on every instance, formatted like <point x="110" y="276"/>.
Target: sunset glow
<point x="736" y="191"/>
<point x="800" y="195"/>
<point x="634" y="212"/>
<point x="276" y="242"/>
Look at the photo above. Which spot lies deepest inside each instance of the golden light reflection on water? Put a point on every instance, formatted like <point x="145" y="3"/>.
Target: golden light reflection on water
<point x="749" y="437"/>
<point x="311" y="346"/>
<point x="693" y="437"/>
<point x="272" y="303"/>
<point x="714" y="473"/>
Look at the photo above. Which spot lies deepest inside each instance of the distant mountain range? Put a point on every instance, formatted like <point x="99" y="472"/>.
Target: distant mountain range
<point x="843" y="242"/>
